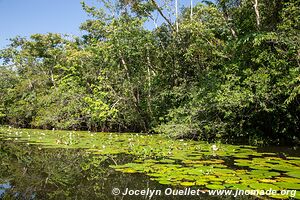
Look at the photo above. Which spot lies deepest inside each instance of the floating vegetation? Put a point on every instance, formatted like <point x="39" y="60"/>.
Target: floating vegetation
<point x="174" y="162"/>
<point x="295" y="173"/>
<point x="263" y="186"/>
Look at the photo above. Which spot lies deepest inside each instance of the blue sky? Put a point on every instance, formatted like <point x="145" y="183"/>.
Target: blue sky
<point x="26" y="17"/>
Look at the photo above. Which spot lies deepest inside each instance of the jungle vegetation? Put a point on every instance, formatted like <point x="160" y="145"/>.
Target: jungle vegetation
<point x="224" y="69"/>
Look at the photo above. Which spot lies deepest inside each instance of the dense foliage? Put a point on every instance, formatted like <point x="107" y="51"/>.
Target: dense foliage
<point x="221" y="70"/>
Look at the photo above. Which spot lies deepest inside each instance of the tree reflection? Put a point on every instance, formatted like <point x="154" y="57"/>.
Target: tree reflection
<point x="32" y="172"/>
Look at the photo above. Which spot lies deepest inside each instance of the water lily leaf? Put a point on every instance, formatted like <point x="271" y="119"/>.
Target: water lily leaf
<point x="166" y="161"/>
<point x="232" y="181"/>
<point x="219" y="166"/>
<point x="187" y="184"/>
<point x="248" y="181"/>
<point x="128" y="170"/>
<point x="215" y="187"/>
<point x="295" y="174"/>
<point x="165" y="182"/>
<point x="293" y="158"/>
<point x="258" y="172"/>
<point x="240" y="171"/>
<point x="279" y="196"/>
<point x="203" y="161"/>
<point x="259" y="167"/>
<point x="297" y="196"/>
<point x="236" y="186"/>
<point x="288" y="185"/>
<point x="201" y="183"/>
<point x="271" y="174"/>
<point x="285" y="168"/>
<point x="267" y="181"/>
<point x="263" y="186"/>
<point x="288" y="179"/>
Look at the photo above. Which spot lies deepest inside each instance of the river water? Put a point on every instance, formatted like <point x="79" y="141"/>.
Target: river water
<point x="82" y="167"/>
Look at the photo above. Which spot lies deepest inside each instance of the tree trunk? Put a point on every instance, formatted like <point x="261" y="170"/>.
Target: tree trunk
<point x="191" y="9"/>
<point x="257" y="13"/>
<point x="176" y="15"/>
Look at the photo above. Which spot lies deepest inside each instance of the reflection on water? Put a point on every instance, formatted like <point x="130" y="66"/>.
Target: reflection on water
<point x="38" y="164"/>
<point x="30" y="172"/>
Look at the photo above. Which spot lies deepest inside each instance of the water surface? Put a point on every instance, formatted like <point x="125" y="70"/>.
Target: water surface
<point x="38" y="164"/>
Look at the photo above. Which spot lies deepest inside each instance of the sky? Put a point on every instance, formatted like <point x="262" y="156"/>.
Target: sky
<point x="27" y="17"/>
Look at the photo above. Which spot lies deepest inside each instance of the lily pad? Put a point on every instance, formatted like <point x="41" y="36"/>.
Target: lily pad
<point x="188" y="184"/>
<point x="263" y="186"/>
<point x="215" y="187"/>
<point x="236" y="186"/>
<point x="287" y="185"/>
<point x="295" y="174"/>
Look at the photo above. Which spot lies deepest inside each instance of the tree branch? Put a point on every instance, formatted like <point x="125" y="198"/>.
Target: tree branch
<point x="162" y="14"/>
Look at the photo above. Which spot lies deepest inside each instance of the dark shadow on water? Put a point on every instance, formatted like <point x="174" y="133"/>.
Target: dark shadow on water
<point x="30" y="172"/>
<point x="286" y="150"/>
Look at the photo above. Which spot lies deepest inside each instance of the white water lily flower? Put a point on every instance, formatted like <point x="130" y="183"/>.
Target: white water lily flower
<point x="214" y="147"/>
